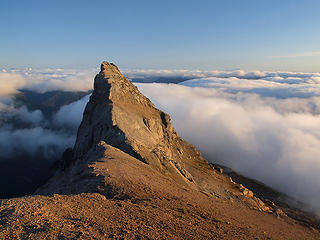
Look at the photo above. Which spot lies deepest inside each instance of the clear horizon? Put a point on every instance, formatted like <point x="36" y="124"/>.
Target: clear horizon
<point x="205" y="35"/>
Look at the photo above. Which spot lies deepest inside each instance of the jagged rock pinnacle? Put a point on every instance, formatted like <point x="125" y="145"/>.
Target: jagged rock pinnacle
<point x="109" y="69"/>
<point x="111" y="85"/>
<point x="122" y="117"/>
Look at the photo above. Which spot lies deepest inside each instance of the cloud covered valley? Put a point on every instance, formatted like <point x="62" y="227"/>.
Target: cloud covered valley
<point x="265" y="125"/>
<point x="265" y="139"/>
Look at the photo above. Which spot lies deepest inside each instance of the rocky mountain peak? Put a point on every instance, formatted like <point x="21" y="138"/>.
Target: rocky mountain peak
<point x="122" y="117"/>
<point x="109" y="69"/>
<point x="111" y="85"/>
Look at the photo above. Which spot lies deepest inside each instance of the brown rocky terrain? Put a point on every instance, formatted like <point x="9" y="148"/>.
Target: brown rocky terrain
<point x="130" y="176"/>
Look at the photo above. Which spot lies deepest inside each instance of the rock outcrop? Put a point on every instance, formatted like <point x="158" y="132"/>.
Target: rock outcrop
<point x="122" y="117"/>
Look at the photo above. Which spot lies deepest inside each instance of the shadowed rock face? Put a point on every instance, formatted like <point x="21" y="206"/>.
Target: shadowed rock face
<point x="122" y="117"/>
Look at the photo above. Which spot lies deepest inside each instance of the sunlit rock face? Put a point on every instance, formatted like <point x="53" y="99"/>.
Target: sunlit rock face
<point x="122" y="117"/>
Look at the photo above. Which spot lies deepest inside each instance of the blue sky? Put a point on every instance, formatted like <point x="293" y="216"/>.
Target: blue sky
<point x="225" y="34"/>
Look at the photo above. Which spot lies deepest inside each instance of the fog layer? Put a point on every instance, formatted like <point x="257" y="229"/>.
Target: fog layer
<point x="276" y="141"/>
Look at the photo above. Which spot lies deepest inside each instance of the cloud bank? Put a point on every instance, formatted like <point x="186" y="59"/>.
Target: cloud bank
<point x="33" y="141"/>
<point x="28" y="132"/>
<point x="70" y="116"/>
<point x="44" y="80"/>
<point x="253" y="135"/>
<point x="9" y="83"/>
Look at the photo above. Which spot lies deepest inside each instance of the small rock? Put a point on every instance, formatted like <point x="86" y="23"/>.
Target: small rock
<point x="280" y="213"/>
<point x="246" y="192"/>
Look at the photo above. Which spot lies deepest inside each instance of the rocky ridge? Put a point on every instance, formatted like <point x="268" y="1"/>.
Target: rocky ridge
<point x="130" y="176"/>
<point x="120" y="116"/>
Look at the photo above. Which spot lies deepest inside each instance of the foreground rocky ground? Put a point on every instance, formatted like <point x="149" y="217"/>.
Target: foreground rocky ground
<point x="141" y="203"/>
<point x="130" y="176"/>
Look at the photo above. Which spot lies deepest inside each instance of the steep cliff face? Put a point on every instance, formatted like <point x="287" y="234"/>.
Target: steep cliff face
<point x="122" y="117"/>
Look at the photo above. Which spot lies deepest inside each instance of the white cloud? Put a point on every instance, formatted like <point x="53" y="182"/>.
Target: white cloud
<point x="9" y="83"/>
<point x="33" y="140"/>
<point x="276" y="86"/>
<point x="59" y="79"/>
<point x="10" y="113"/>
<point x="28" y="133"/>
<point x="45" y="80"/>
<point x="70" y="116"/>
<point x="247" y="133"/>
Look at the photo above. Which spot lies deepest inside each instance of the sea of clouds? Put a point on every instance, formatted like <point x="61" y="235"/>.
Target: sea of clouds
<point x="265" y="125"/>
<point x="275" y="141"/>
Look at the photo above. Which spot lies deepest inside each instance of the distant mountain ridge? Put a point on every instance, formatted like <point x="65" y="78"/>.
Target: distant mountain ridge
<point x="48" y="102"/>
